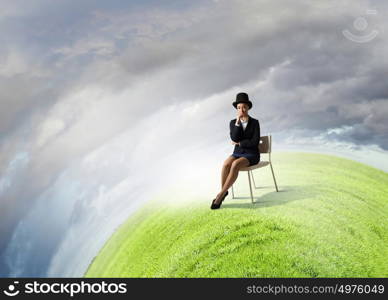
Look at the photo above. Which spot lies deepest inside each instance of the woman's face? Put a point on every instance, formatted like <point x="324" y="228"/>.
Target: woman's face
<point x="242" y="109"/>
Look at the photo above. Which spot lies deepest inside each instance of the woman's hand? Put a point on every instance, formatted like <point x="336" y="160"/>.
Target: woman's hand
<point x="239" y="116"/>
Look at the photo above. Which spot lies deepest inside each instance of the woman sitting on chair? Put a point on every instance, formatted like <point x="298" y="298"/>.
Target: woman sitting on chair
<point x="245" y="135"/>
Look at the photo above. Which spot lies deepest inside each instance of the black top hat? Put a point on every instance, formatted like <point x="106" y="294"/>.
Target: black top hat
<point x="242" y="98"/>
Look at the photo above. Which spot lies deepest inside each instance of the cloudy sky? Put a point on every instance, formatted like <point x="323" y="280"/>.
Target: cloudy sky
<point x="105" y="104"/>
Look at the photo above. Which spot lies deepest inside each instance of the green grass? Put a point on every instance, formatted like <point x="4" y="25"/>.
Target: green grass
<point x="329" y="219"/>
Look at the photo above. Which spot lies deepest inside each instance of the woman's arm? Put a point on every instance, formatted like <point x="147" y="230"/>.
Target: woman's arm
<point x="235" y="131"/>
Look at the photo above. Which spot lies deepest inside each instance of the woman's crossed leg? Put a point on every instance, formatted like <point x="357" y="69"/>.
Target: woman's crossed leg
<point x="229" y="174"/>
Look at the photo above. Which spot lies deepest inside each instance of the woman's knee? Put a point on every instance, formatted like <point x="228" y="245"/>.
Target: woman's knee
<point x="235" y="167"/>
<point x="228" y="162"/>
<point x="239" y="164"/>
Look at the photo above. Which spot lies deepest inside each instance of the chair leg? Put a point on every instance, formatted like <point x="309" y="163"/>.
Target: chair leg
<point x="273" y="175"/>
<point x="250" y="186"/>
<point x="232" y="192"/>
<point x="253" y="178"/>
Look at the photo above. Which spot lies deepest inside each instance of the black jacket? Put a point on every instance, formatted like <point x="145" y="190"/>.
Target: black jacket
<point x="248" y="138"/>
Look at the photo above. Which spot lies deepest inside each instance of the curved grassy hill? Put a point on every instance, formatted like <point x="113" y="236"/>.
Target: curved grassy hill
<point x="329" y="219"/>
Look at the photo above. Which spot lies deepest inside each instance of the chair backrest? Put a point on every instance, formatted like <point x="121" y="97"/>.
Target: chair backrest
<point x="265" y="144"/>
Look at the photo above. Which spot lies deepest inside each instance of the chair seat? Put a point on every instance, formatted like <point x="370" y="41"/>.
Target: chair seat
<point x="259" y="165"/>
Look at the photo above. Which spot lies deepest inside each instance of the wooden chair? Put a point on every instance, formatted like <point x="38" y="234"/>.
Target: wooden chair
<point x="265" y="145"/>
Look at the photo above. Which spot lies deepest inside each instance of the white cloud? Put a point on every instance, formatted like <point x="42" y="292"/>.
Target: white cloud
<point x="339" y="130"/>
<point x="372" y="155"/>
<point x="93" y="46"/>
<point x="14" y="64"/>
<point x="49" y="129"/>
<point x="15" y="167"/>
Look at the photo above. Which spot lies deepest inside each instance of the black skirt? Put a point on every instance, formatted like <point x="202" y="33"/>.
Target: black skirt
<point x="253" y="158"/>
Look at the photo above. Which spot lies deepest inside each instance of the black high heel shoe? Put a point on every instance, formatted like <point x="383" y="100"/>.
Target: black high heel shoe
<point x="215" y="205"/>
